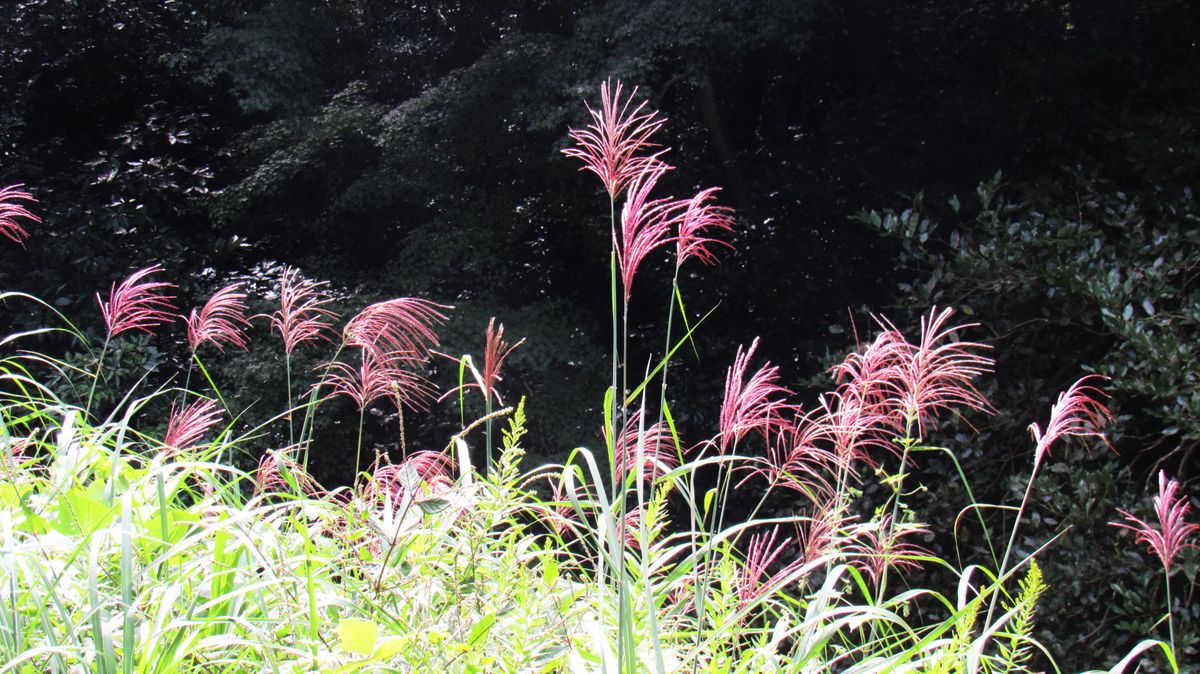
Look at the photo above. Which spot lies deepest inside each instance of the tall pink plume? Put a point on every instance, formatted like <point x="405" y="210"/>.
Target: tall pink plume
<point x="137" y="304"/>
<point x="1171" y="535"/>
<point x="403" y="326"/>
<point x="222" y="320"/>
<point x="378" y="377"/>
<point x="302" y="316"/>
<point x="496" y="350"/>
<point x="1078" y="412"/>
<point x="11" y="212"/>
<point x="645" y="224"/>
<point x="610" y="144"/>
<point x="754" y="404"/>
<point x="187" y="425"/>
<point x="936" y="374"/>
<point x="274" y="469"/>
<point x="699" y="220"/>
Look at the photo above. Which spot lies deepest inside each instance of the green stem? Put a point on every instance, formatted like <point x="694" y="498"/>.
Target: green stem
<point x="287" y="368"/>
<point x="1170" y="618"/>
<point x="358" y="450"/>
<point x="96" y="376"/>
<point x="1012" y="539"/>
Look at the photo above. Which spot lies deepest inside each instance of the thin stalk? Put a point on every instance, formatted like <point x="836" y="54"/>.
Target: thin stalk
<point x="1012" y="539"/>
<point x="1170" y="619"/>
<point x="908" y="442"/>
<point x="287" y="368"/>
<point x="358" y="450"/>
<point x="487" y="413"/>
<point x="96" y="376"/>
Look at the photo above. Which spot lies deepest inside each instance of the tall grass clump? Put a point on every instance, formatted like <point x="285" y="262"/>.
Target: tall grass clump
<point x="126" y="548"/>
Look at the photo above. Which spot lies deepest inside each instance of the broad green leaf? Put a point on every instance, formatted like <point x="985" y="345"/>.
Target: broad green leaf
<point x="358" y="636"/>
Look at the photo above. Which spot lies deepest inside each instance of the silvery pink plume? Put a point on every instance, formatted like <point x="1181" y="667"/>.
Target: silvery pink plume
<point x="936" y="374"/>
<point x="753" y="581"/>
<point x="434" y="469"/>
<point x="403" y="326"/>
<point x="496" y="350"/>
<point x="754" y="404"/>
<point x="187" y="425"/>
<point x="1171" y="535"/>
<point x="1078" y="412"/>
<point x="610" y="144"/>
<point x="820" y="536"/>
<point x="137" y="304"/>
<point x="377" y="377"/>
<point x="700" y="218"/>
<point x="655" y="444"/>
<point x="880" y="545"/>
<point x="798" y="458"/>
<point x="222" y="320"/>
<point x="275" y="466"/>
<point x="645" y="224"/>
<point x="11" y="212"/>
<point x="302" y="316"/>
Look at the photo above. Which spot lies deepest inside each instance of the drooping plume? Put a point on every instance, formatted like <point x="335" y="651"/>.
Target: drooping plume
<point x="378" y="376"/>
<point x="655" y="444"/>
<point x="699" y="220"/>
<point x="645" y="224"/>
<point x="302" y="316"/>
<point x="401" y="326"/>
<point x="137" y="304"/>
<point x="937" y="374"/>
<point x="610" y="145"/>
<point x="11" y="212"/>
<point x="187" y="425"/>
<point x="1078" y="412"/>
<point x="222" y="320"/>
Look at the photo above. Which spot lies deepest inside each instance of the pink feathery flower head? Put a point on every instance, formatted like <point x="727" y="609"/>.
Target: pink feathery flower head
<point x="222" y="320"/>
<point x="754" y="404"/>
<point x="645" y="224"/>
<point x="137" y="304"/>
<point x="1171" y="535"/>
<point x="797" y="459"/>
<point x="496" y="350"/>
<point x="610" y="144"/>
<point x="655" y="443"/>
<point x="700" y="217"/>
<point x="937" y="374"/>
<point x="879" y="546"/>
<point x="820" y="536"/>
<point x="761" y="553"/>
<point x="434" y="469"/>
<point x="11" y="212"/>
<point x="187" y="425"/>
<point x="403" y="326"/>
<point x="302" y="316"/>
<point x="275" y="466"/>
<point x="1078" y="412"/>
<point x="377" y="377"/>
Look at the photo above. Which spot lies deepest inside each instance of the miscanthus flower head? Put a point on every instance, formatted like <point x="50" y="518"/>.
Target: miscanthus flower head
<point x="137" y="304"/>
<point x="222" y="320"/>
<point x="610" y="145"/>
<point x="11" y="213"/>
<point x="1173" y="531"/>
<point x="302" y="316"/>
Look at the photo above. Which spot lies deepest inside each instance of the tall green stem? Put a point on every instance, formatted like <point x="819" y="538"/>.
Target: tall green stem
<point x="1012" y="539"/>
<point x="1170" y="618"/>
<point x="96" y="376"/>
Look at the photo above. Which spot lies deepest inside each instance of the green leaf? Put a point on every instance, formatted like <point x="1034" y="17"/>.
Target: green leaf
<point x="358" y="636"/>
<point x="481" y="629"/>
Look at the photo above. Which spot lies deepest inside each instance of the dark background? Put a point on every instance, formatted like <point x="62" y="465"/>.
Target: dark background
<point x="413" y="149"/>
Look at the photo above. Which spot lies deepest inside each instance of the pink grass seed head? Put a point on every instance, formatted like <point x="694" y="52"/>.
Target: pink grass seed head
<point x="11" y="213"/>
<point x="137" y="304"/>
<point x="302" y="316"/>
<point x="1173" y="532"/>
<point x="610" y="145"/>
<point x="222" y="320"/>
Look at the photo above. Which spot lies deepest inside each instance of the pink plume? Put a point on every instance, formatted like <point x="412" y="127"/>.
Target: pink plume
<point x="11" y="212"/>
<point x="222" y="320"/>
<point x="186" y="426"/>
<point x="609" y="144"/>
<point x="137" y="304"/>
<point x="302" y="316"/>
<point x="1171" y="535"/>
